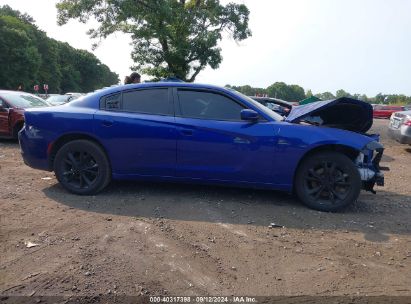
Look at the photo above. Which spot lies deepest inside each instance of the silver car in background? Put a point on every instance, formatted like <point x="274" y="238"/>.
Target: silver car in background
<point x="400" y="127"/>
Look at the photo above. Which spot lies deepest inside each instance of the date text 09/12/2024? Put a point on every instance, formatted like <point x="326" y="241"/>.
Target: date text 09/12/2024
<point x="200" y="299"/>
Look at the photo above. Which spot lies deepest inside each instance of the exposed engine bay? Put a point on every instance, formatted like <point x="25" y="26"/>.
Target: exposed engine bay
<point x="342" y="113"/>
<point x="352" y="115"/>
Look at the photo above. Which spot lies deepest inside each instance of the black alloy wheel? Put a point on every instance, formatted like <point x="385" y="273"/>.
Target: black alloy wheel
<point x="81" y="166"/>
<point x="80" y="169"/>
<point x="328" y="181"/>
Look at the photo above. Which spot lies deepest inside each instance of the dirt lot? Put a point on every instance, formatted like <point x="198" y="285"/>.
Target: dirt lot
<point x="146" y="238"/>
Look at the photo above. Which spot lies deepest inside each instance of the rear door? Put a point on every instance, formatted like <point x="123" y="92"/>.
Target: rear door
<point x="4" y="118"/>
<point x="213" y="142"/>
<point x="138" y="128"/>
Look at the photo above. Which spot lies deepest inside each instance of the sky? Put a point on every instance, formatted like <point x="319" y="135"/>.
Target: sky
<point x="361" y="46"/>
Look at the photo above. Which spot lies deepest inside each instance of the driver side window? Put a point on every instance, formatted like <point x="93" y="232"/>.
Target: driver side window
<point x="208" y="105"/>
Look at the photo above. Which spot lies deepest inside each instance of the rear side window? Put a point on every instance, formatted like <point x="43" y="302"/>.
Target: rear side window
<point x="208" y="105"/>
<point x="154" y="101"/>
<point x="112" y="102"/>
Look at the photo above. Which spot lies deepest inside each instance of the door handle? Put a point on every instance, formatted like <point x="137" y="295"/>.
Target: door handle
<point x="107" y="123"/>
<point x="187" y="132"/>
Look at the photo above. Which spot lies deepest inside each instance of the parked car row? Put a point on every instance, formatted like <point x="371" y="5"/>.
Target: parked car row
<point x="400" y="127"/>
<point x="12" y="106"/>
<point x="385" y="111"/>
<point x="57" y="100"/>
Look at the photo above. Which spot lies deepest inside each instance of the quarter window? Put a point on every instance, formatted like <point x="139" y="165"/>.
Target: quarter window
<point x="207" y="105"/>
<point x="153" y="101"/>
<point x="112" y="102"/>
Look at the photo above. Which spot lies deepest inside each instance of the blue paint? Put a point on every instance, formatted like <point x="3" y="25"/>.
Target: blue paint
<point x="263" y="154"/>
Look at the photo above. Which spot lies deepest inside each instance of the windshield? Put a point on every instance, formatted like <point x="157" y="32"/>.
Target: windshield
<point x="24" y="100"/>
<point x="258" y="105"/>
<point x="58" y="99"/>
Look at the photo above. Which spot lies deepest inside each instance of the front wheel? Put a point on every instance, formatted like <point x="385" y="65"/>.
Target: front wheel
<point x="82" y="167"/>
<point x="327" y="181"/>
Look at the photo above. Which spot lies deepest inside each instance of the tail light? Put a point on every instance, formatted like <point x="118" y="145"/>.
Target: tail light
<point x="407" y="122"/>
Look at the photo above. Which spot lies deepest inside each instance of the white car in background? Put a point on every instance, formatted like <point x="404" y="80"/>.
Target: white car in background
<point x="400" y="127"/>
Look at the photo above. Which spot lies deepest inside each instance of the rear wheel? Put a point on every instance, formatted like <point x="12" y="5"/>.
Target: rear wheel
<point x="328" y="181"/>
<point x="82" y="167"/>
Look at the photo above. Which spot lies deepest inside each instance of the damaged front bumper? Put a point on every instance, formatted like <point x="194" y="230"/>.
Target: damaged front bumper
<point x="368" y="163"/>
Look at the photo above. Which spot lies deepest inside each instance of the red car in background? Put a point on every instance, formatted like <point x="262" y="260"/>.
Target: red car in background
<point x="12" y="105"/>
<point x="382" y="111"/>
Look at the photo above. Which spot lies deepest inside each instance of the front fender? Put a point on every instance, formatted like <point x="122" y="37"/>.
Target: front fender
<point x="294" y="142"/>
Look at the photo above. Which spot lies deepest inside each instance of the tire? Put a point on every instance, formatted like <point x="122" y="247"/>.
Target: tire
<point x="82" y="167"/>
<point x="327" y="181"/>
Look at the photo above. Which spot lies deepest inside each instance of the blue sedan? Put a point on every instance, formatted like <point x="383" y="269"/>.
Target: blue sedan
<point x="182" y="132"/>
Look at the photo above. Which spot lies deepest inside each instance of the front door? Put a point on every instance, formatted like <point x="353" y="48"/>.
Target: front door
<point x="213" y="143"/>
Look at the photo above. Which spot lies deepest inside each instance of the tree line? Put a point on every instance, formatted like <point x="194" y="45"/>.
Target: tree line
<point x="28" y="57"/>
<point x="294" y="93"/>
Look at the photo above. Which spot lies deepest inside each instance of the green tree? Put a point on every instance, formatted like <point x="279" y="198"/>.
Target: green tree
<point x="379" y="98"/>
<point x="50" y="70"/>
<point x="278" y="90"/>
<point x="248" y="90"/>
<point x="19" y="57"/>
<point x="106" y="77"/>
<point x="286" y="92"/>
<point x="29" y="57"/>
<point x="296" y="93"/>
<point x="342" y="93"/>
<point x="364" y="98"/>
<point x="325" y="96"/>
<point x="6" y="10"/>
<point x="170" y="37"/>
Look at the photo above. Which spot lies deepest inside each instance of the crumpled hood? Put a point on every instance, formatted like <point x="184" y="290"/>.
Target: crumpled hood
<point x="342" y="113"/>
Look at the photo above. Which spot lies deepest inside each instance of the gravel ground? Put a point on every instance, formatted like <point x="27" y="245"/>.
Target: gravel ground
<point x="171" y="239"/>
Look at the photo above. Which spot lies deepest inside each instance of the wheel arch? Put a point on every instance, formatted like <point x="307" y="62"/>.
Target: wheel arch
<point x="62" y="140"/>
<point x="17" y="126"/>
<point x="348" y="151"/>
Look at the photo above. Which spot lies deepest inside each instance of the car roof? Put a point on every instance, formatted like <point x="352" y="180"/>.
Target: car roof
<point x="120" y="88"/>
<point x="391" y="106"/>
<point x="14" y="92"/>
<point x="59" y="95"/>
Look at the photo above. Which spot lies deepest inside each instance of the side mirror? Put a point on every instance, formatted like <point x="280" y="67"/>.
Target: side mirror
<point x="249" y="115"/>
